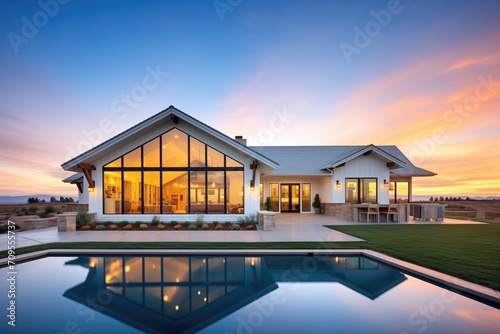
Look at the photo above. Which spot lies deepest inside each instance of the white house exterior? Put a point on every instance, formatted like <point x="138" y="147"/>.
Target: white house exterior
<point x="177" y="167"/>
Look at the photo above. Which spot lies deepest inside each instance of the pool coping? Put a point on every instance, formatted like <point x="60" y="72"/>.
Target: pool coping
<point x="469" y="289"/>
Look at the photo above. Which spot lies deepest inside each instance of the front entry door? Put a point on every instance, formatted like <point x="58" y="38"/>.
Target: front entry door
<point x="290" y="198"/>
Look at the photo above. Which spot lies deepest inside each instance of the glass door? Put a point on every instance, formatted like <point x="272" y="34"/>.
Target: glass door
<point x="290" y="198"/>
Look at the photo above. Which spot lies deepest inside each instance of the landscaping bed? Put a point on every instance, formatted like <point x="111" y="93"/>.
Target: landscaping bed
<point x="172" y="226"/>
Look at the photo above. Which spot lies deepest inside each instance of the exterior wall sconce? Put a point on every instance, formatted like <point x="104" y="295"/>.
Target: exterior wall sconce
<point x="252" y="185"/>
<point x="91" y="189"/>
<point x="386" y="184"/>
<point x="337" y="184"/>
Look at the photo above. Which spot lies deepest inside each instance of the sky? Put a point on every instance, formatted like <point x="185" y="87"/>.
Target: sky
<point x="421" y="75"/>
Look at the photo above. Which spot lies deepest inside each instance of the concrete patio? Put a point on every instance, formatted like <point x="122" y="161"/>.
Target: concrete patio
<point x="289" y="227"/>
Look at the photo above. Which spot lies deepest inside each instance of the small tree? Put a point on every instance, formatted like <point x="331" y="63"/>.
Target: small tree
<point x="317" y="203"/>
<point x="267" y="204"/>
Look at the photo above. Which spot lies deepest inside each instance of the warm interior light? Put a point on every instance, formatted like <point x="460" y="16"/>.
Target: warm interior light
<point x="199" y="292"/>
<point x="165" y="298"/>
<point x="127" y="268"/>
<point x="177" y="307"/>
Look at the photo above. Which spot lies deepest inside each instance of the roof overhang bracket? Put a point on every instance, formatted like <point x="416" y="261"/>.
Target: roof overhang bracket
<point x="79" y="186"/>
<point x="87" y="171"/>
<point x="391" y="164"/>
<point x="253" y="166"/>
<point x="368" y="152"/>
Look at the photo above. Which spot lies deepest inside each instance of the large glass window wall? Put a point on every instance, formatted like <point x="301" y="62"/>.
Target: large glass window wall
<point x="174" y="173"/>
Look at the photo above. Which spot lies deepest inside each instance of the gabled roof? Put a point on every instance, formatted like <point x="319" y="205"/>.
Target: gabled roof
<point x="342" y="159"/>
<point x="167" y="114"/>
<point x="314" y="160"/>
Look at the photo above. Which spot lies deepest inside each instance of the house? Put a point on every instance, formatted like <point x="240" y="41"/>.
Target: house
<point x="172" y="164"/>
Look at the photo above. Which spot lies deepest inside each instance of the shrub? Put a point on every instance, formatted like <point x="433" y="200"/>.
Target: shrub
<point x="160" y="226"/>
<point x="124" y="223"/>
<point x="192" y="227"/>
<point x="49" y="209"/>
<point x="173" y="223"/>
<point x="82" y="218"/>
<point x="227" y="224"/>
<point x="186" y="224"/>
<point x="247" y="220"/>
<point x="100" y="227"/>
<point x="138" y="224"/>
<point x="215" y="222"/>
<point x="267" y="204"/>
<point x="113" y="226"/>
<point x="108" y="223"/>
<point x="32" y="209"/>
<point x="85" y="227"/>
<point x="199" y="220"/>
<point x="24" y="210"/>
<point x="127" y="227"/>
<point x="155" y="220"/>
<point x="249" y="227"/>
<point x="219" y="227"/>
<point x="204" y="226"/>
<point x="236" y="227"/>
<point x="143" y="226"/>
<point x="177" y="227"/>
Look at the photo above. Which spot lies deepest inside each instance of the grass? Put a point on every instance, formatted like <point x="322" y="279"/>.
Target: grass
<point x="470" y="252"/>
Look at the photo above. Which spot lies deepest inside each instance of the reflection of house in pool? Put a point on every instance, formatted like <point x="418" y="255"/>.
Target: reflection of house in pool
<point x="170" y="294"/>
<point x="178" y="294"/>
<point x="365" y="276"/>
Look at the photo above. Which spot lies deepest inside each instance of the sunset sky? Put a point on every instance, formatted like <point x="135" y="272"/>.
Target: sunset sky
<point x="422" y="75"/>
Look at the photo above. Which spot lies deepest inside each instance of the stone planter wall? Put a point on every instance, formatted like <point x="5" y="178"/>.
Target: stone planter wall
<point x="66" y="222"/>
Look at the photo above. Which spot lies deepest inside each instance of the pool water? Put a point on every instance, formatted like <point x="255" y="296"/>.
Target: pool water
<point x="233" y="294"/>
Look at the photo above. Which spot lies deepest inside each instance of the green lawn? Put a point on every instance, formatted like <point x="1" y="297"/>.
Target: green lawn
<point x="470" y="252"/>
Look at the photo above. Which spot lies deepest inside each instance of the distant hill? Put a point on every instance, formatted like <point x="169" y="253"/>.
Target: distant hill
<point x="24" y="198"/>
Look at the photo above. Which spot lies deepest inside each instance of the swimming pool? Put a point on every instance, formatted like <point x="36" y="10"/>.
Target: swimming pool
<point x="233" y="294"/>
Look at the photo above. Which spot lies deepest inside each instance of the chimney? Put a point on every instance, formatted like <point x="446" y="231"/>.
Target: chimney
<point x="241" y="140"/>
